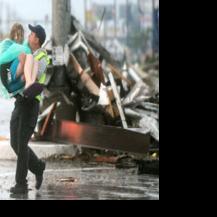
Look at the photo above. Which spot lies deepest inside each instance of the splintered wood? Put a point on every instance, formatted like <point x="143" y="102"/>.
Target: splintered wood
<point x="112" y="108"/>
<point x="85" y="78"/>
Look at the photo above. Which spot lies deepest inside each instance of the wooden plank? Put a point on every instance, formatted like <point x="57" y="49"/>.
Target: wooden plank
<point x="48" y="120"/>
<point x="85" y="78"/>
<point x="118" y="100"/>
<point x="117" y="73"/>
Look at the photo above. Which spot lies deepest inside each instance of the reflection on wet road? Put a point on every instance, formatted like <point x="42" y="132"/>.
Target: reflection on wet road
<point x="66" y="181"/>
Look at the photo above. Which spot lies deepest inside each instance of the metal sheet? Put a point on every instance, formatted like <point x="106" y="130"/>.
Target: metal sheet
<point x="100" y="137"/>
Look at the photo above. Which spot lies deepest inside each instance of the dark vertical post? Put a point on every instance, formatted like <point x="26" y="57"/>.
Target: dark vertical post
<point x="61" y="20"/>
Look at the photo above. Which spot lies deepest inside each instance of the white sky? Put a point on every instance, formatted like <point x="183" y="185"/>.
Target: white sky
<point x="31" y="10"/>
<point x="37" y="9"/>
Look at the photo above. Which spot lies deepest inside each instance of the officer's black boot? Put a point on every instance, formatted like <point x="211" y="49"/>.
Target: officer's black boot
<point x="39" y="177"/>
<point x="19" y="189"/>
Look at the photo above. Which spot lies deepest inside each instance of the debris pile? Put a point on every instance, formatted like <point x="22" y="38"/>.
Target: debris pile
<point x="85" y="84"/>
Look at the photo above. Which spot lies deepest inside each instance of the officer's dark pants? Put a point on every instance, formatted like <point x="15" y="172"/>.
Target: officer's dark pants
<point x="22" y="125"/>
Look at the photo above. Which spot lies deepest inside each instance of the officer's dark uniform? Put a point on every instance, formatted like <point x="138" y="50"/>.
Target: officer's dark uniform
<point x="22" y="125"/>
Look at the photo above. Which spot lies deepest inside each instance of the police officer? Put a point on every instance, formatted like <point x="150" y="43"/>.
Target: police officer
<point x="24" y="120"/>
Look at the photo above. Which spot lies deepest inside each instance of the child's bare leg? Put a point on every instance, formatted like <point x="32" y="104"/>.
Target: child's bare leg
<point x="35" y="71"/>
<point x="28" y="68"/>
<point x="20" y="68"/>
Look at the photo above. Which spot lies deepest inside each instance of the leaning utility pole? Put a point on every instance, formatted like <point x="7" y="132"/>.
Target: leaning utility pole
<point x="61" y="24"/>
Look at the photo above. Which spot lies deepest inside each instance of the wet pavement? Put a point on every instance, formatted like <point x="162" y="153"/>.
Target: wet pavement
<point x="80" y="181"/>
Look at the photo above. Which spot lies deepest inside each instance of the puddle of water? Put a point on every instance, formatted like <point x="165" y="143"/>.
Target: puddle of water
<point x="98" y="183"/>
